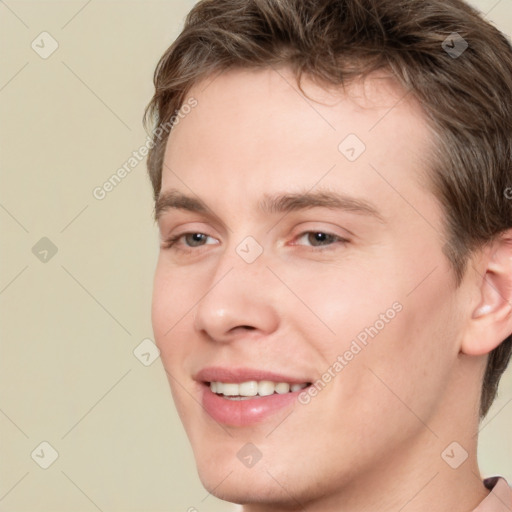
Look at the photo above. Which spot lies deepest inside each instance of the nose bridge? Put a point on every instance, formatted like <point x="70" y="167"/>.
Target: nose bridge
<point x="236" y="295"/>
<point x="244" y="256"/>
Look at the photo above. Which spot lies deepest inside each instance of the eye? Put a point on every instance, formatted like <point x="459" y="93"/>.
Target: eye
<point x="321" y="239"/>
<point x="195" y="239"/>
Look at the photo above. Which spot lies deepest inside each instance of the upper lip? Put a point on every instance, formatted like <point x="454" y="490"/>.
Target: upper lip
<point x="237" y="375"/>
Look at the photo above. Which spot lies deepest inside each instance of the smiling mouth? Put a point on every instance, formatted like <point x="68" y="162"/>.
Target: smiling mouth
<point x="253" y="389"/>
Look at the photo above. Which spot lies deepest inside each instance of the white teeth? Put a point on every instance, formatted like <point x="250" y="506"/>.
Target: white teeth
<point x="266" y="387"/>
<point x="282" y="387"/>
<point x="252" y="388"/>
<point x="230" y="389"/>
<point x="249" y="388"/>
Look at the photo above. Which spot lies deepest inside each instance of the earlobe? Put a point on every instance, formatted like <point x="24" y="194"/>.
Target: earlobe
<point x="491" y="319"/>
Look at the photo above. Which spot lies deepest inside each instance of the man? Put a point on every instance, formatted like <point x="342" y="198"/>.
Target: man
<point x="333" y="295"/>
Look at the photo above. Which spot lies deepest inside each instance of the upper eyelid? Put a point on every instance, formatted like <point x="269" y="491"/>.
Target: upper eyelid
<point x="340" y="238"/>
<point x="303" y="228"/>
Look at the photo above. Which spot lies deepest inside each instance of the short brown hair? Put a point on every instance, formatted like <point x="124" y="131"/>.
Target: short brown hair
<point x="457" y="65"/>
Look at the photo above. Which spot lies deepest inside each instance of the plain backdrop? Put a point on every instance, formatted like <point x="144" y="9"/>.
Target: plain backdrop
<point x="76" y="272"/>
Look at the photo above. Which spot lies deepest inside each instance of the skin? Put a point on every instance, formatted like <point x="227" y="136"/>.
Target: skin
<point x="373" y="438"/>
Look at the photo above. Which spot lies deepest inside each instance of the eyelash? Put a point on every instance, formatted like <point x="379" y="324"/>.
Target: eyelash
<point x="171" y="242"/>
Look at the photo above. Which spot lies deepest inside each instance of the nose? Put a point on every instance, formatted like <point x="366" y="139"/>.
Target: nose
<point x="239" y="298"/>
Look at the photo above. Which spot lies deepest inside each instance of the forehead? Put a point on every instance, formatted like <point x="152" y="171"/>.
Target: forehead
<point x="275" y="90"/>
<point x="255" y="130"/>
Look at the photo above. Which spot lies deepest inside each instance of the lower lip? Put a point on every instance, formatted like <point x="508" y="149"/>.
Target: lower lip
<point x="239" y="413"/>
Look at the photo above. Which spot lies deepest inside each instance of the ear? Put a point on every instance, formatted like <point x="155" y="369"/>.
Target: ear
<point x="491" y="319"/>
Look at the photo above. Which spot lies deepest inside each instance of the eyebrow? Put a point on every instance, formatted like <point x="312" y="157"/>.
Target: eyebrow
<point x="272" y="204"/>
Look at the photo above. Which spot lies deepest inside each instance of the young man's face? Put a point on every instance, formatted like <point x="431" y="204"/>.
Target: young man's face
<point x="359" y="296"/>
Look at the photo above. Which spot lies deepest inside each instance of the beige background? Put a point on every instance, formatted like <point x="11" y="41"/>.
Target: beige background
<point x="69" y="326"/>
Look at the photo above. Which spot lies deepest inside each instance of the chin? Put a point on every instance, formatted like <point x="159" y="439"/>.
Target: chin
<point x="244" y="487"/>
<point x="260" y="485"/>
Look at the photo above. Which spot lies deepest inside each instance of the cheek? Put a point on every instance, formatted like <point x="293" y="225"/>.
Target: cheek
<point x="168" y="312"/>
<point x="173" y="295"/>
<point x="344" y="300"/>
<point x="168" y="309"/>
<point x="407" y="365"/>
<point x="161" y="307"/>
<point x="373" y="318"/>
